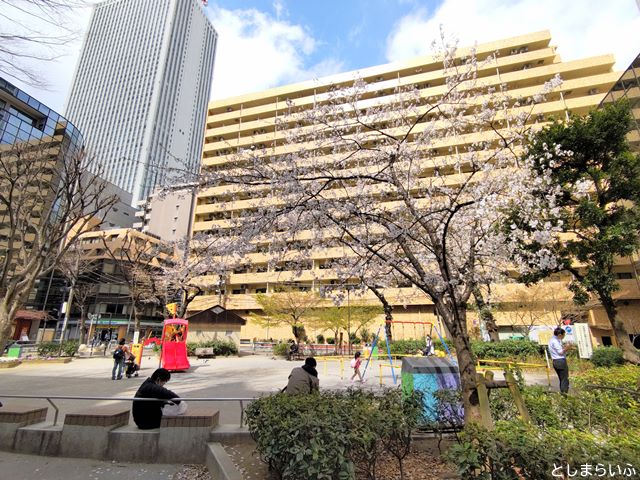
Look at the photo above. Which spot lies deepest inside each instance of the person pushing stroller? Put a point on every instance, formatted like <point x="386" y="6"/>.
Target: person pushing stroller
<point x="131" y="367"/>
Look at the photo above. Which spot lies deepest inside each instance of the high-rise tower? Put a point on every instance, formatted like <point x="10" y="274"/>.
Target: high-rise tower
<point x="141" y="89"/>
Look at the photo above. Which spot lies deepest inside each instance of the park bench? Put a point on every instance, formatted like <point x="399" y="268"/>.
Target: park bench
<point x="86" y="433"/>
<point x="180" y="438"/>
<point x="205" y="352"/>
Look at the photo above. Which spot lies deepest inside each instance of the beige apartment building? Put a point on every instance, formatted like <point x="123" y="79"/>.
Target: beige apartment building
<point x="250" y="121"/>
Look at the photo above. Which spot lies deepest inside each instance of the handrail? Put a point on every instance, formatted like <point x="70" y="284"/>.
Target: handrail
<point x="49" y="399"/>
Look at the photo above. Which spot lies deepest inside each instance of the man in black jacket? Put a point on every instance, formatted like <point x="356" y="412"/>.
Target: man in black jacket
<point x="147" y="414"/>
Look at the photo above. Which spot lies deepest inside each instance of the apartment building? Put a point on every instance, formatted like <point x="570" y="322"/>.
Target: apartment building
<point x="251" y="121"/>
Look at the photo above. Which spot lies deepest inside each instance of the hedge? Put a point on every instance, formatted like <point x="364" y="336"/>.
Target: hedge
<point x="51" y="349"/>
<point x="607" y="357"/>
<point x="332" y="435"/>
<point x="220" y="347"/>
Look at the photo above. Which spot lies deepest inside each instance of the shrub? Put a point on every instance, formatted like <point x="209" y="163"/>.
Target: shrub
<point x="281" y="349"/>
<point x="220" y="347"/>
<point x="366" y="335"/>
<point x="607" y="356"/>
<point x="515" y="450"/>
<point x="331" y="340"/>
<point x="320" y="338"/>
<point x="516" y="349"/>
<point x="332" y="434"/>
<point x="48" y="349"/>
<point x="70" y="347"/>
<point x="51" y="349"/>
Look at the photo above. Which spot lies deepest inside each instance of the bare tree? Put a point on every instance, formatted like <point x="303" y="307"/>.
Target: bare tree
<point x="138" y="259"/>
<point x="34" y="31"/>
<point x="46" y="201"/>
<point x="382" y="178"/>
<point x="76" y="267"/>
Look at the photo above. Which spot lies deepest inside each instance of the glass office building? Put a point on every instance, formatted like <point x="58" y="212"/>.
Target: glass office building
<point x="25" y="119"/>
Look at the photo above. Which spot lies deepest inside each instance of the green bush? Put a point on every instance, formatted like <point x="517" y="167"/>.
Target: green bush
<point x="332" y="435"/>
<point x="512" y="349"/>
<point x="331" y="340"/>
<point x="51" y="349"/>
<point x="607" y="356"/>
<point x="514" y="450"/>
<point x="320" y="338"/>
<point x="48" y="349"/>
<point x="592" y="425"/>
<point x="281" y="349"/>
<point x="70" y="347"/>
<point x="220" y="347"/>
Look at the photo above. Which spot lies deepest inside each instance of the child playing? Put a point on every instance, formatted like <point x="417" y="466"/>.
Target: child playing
<point x="355" y="364"/>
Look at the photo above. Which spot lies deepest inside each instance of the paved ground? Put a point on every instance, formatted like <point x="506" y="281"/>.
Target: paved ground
<point x="232" y="377"/>
<point x="30" y="467"/>
<point x="247" y="376"/>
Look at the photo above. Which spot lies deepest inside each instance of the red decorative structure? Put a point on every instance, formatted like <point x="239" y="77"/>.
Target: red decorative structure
<point x="173" y="355"/>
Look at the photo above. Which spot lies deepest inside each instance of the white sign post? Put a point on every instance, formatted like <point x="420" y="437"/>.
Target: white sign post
<point x="582" y="336"/>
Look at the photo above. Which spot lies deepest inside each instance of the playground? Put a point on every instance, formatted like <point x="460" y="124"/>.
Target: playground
<point x="223" y="384"/>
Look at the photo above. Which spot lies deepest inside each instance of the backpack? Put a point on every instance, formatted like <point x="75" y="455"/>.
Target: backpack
<point x="118" y="354"/>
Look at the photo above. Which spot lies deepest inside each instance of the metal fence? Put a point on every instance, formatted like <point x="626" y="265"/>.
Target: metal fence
<point x="50" y="398"/>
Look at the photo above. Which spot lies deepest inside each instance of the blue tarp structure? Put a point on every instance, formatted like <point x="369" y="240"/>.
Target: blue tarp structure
<point x="430" y="375"/>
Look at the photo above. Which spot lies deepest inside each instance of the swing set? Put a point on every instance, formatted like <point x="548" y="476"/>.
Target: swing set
<point x="432" y="327"/>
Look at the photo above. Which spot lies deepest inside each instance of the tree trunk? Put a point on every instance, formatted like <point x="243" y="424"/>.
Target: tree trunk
<point x="486" y="315"/>
<point x="456" y="323"/>
<point x="136" y="323"/>
<point x="6" y="323"/>
<point x="388" y="312"/>
<point x="83" y="335"/>
<point x="630" y="353"/>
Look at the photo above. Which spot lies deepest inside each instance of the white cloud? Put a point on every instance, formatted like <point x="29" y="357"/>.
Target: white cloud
<point x="57" y="73"/>
<point x="257" y="51"/>
<point x="580" y="28"/>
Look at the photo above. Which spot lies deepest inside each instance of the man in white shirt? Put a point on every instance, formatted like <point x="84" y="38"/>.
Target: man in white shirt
<point x="558" y="353"/>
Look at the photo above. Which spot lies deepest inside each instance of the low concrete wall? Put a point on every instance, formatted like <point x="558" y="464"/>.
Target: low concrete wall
<point x="220" y="464"/>
<point x="39" y="439"/>
<point x="130" y="444"/>
<point x="11" y="419"/>
<point x="86" y="434"/>
<point x="104" y="433"/>
<point x="184" y="438"/>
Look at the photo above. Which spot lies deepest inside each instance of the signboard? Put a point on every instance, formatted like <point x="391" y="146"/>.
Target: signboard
<point x="582" y="336"/>
<point x="544" y="336"/>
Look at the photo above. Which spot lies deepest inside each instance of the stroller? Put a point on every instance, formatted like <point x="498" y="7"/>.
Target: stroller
<point x="131" y="367"/>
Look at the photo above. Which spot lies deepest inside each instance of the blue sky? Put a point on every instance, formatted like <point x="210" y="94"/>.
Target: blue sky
<point x="356" y="31"/>
<point x="267" y="43"/>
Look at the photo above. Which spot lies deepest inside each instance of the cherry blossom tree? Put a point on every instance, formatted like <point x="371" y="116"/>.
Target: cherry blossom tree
<point x="414" y="182"/>
<point x="198" y="260"/>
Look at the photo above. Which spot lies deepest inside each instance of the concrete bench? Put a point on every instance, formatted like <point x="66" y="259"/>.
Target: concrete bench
<point x="86" y="433"/>
<point x="184" y="438"/>
<point x="205" y="352"/>
<point x="180" y="438"/>
<point x="14" y="417"/>
<point x="130" y="444"/>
